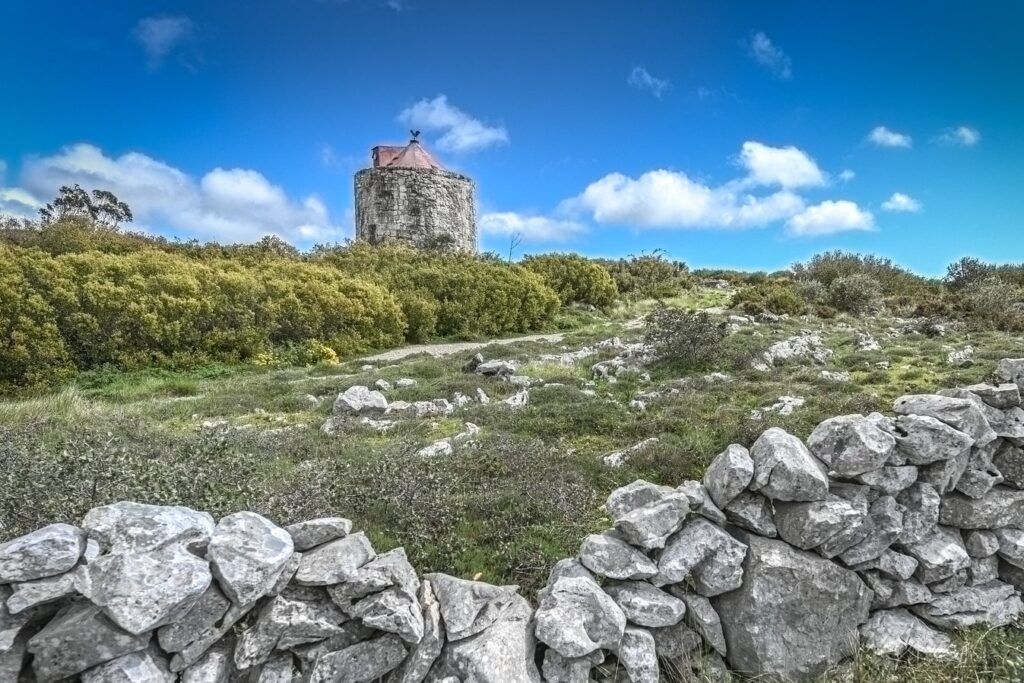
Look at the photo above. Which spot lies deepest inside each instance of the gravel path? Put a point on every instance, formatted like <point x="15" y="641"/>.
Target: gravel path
<point x="438" y="350"/>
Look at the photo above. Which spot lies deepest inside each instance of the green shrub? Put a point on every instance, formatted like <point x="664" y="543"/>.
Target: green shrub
<point x="857" y="294"/>
<point x="811" y="291"/>
<point x="995" y="304"/>
<point x="648" y="276"/>
<point x="688" y="341"/>
<point x="830" y="266"/>
<point x="776" y="297"/>
<point x="420" y="316"/>
<point x="574" y="278"/>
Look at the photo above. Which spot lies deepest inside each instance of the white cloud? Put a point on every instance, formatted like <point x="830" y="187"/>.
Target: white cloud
<point x="830" y="217"/>
<point x="228" y="205"/>
<point x="847" y="175"/>
<point x="640" y="78"/>
<point x="900" y="202"/>
<point x="787" y="167"/>
<point x="159" y="36"/>
<point x="460" y="131"/>
<point x="769" y="55"/>
<point x="883" y="137"/>
<point x="964" y="136"/>
<point x="533" y="228"/>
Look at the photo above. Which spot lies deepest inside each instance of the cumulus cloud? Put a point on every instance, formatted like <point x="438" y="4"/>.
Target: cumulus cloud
<point x="640" y="78"/>
<point x="227" y="205"/>
<point x="459" y="131"/>
<point x="787" y="167"/>
<point x="830" y="217"/>
<point x="160" y="36"/>
<point x="963" y="136"/>
<point x="533" y="228"/>
<point x="763" y="51"/>
<point x="847" y="175"/>
<point x="884" y="137"/>
<point x="900" y="202"/>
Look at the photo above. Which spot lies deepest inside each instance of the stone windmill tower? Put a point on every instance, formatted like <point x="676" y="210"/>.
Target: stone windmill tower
<point x="407" y="196"/>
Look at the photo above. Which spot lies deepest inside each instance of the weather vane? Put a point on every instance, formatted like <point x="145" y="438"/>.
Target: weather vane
<point x="415" y="134"/>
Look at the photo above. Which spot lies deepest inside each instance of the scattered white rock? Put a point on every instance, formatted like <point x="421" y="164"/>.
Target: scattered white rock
<point x="617" y="459"/>
<point x="359" y="399"/>
<point x="959" y="358"/>
<point x="784" y="406"/>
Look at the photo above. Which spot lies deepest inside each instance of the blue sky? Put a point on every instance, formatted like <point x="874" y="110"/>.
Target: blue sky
<point x="732" y="134"/>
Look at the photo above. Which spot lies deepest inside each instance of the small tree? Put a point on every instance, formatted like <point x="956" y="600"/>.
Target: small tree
<point x="103" y="208"/>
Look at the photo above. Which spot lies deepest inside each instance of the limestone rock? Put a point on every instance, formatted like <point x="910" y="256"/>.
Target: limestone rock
<point x="146" y="666"/>
<point x="809" y="525"/>
<point x="417" y="664"/>
<point x="890" y="594"/>
<point x="637" y="653"/>
<point x="959" y="413"/>
<point x="247" y="554"/>
<point x="753" y="512"/>
<point x="334" y="562"/>
<point x="850" y="445"/>
<point x="1012" y="575"/>
<point x="981" y="543"/>
<point x="892" y="565"/>
<point x="280" y="668"/>
<point x="1001" y="507"/>
<point x="200" y="628"/>
<point x="700" y="501"/>
<point x="41" y="591"/>
<point x="676" y="642"/>
<point x="640" y="493"/>
<point x="78" y="638"/>
<point x="360" y="663"/>
<point x="645" y="605"/>
<point x="143" y="590"/>
<point x="702" y="617"/>
<point x="387" y="570"/>
<point x="496" y="368"/>
<point x="650" y="526"/>
<point x="392" y="611"/>
<point x="924" y="440"/>
<point x="502" y="653"/>
<point x="52" y="550"/>
<point x="575" y="617"/>
<point x="285" y="622"/>
<point x="1011" y="370"/>
<point x="213" y="667"/>
<point x="1000" y="396"/>
<point x="468" y="607"/>
<point x="885" y="519"/>
<point x="729" y="474"/>
<point x="920" y="503"/>
<point x="983" y="570"/>
<point x="1011" y="546"/>
<point x="893" y="632"/>
<point x="11" y="624"/>
<point x="992" y="604"/>
<point x="1009" y="460"/>
<point x="606" y="555"/>
<point x="359" y="399"/>
<point x="706" y="555"/>
<point x="785" y="470"/>
<point x="314" y="532"/>
<point x="795" y="615"/>
<point x="890" y="480"/>
<point x="559" y="669"/>
<point x="940" y="555"/>
<point x="128" y="527"/>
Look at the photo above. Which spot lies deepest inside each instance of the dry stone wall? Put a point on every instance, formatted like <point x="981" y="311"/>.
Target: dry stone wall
<point x="885" y="532"/>
<point x="419" y="207"/>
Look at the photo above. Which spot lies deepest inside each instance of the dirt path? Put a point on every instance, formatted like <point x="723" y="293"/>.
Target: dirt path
<point x="438" y="350"/>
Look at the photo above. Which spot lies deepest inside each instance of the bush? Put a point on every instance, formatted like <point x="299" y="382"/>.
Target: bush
<point x="857" y="294"/>
<point x="811" y="291"/>
<point x="574" y="278"/>
<point x="830" y="266"/>
<point x="688" y="341"/>
<point x="648" y="276"/>
<point x="995" y="304"/>
<point x="777" y="297"/>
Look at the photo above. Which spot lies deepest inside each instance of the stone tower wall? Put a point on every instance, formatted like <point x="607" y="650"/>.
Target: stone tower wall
<point x="416" y="206"/>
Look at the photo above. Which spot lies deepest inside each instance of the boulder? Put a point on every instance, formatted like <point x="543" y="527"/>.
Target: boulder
<point x="889" y="480"/>
<point x="1010" y="370"/>
<point x="795" y="615"/>
<point x="141" y="591"/>
<point x="646" y="605"/>
<point x="387" y="570"/>
<point x="893" y="632"/>
<point x="729" y="474"/>
<point x="885" y="522"/>
<point x="358" y="400"/>
<point x="850" y="445"/>
<point x="78" y="638"/>
<point x="392" y="611"/>
<point x="496" y="368"/>
<point x="469" y="607"/>
<point x="1000" y="396"/>
<point x="501" y="653"/>
<point x="923" y="440"/>
<point x="195" y="632"/>
<point x="1001" y="507"/>
<point x="147" y="666"/>
<point x="981" y="542"/>
<point x="128" y="527"/>
<point x="52" y="550"/>
<point x="940" y="555"/>
<point x="638" y="655"/>
<point x="334" y="562"/>
<point x="360" y="663"/>
<point x="575" y="618"/>
<point x="809" y="525"/>
<point x="42" y="591"/>
<point x="785" y="470"/>
<point x="991" y="604"/>
<point x="309" y="534"/>
<point x="650" y="526"/>
<point x="610" y="556"/>
<point x="640" y="493"/>
<point x="422" y="656"/>
<point x="704" y="554"/>
<point x="285" y="622"/>
<point x="960" y="413"/>
<point x="247" y="554"/>
<point x="753" y="512"/>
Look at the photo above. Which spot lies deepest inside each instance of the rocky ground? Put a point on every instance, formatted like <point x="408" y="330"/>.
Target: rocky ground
<point x="492" y="467"/>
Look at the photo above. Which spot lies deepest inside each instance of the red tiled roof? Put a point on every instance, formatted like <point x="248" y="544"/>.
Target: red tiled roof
<point x="412" y="155"/>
